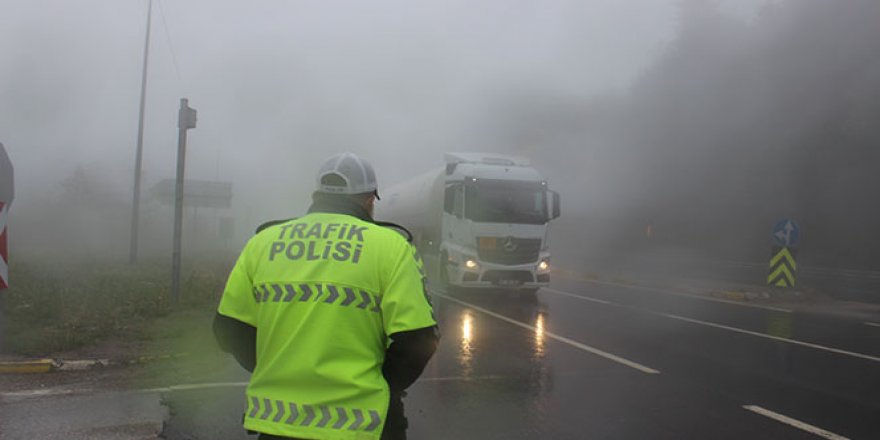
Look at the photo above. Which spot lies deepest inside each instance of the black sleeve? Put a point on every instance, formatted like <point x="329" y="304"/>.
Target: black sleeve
<point x="407" y="356"/>
<point x="237" y="338"/>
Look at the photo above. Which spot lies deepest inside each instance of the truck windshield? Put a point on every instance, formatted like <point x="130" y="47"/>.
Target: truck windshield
<point x="497" y="201"/>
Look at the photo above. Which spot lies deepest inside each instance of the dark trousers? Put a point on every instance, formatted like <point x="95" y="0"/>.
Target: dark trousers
<point x="395" y="422"/>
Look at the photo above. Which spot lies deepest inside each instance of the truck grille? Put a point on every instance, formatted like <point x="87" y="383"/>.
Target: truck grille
<point x="508" y="250"/>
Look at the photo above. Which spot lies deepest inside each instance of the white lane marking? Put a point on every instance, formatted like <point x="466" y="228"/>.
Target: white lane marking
<point x="195" y="386"/>
<point x="44" y="393"/>
<point x="873" y="324"/>
<point x="54" y="392"/>
<point x="775" y="338"/>
<point x="585" y="298"/>
<point x="795" y="423"/>
<point x="688" y="295"/>
<point x="733" y="329"/>
<point x="201" y="386"/>
<point x="554" y="336"/>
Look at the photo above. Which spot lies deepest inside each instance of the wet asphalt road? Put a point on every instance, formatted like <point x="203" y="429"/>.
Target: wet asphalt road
<point x="597" y="361"/>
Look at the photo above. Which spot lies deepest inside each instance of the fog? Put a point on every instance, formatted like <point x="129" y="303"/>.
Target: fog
<point x="740" y="123"/>
<point x="706" y="120"/>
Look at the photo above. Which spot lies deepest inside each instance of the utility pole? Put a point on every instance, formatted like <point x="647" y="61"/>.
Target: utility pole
<point x="186" y="119"/>
<point x="136" y="199"/>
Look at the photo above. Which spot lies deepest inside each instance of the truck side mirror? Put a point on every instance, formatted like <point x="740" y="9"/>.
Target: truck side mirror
<point x="555" y="211"/>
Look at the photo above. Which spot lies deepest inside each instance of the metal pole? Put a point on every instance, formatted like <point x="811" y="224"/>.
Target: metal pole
<point x="186" y="119"/>
<point x="136" y="199"/>
<point x="178" y="211"/>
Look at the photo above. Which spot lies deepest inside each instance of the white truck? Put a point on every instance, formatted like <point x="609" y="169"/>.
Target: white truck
<point x="485" y="217"/>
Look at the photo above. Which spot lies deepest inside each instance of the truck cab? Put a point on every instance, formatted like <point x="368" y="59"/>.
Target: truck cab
<point x="494" y="228"/>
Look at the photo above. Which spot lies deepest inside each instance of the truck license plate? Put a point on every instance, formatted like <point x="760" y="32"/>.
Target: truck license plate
<point x="487" y="243"/>
<point x="509" y="282"/>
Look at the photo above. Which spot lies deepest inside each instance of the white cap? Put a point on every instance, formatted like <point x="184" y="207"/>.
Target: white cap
<point x="346" y="173"/>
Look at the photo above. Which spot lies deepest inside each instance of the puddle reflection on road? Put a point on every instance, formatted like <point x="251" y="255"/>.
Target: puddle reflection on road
<point x="465" y="352"/>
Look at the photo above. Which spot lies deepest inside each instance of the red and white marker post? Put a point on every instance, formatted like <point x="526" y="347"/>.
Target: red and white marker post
<point x="4" y="253"/>
<point x="7" y="193"/>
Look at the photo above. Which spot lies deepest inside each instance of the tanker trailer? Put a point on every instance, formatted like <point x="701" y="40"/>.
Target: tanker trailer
<point x="484" y="219"/>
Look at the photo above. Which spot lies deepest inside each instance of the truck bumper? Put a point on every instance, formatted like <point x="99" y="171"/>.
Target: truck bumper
<point x="495" y="276"/>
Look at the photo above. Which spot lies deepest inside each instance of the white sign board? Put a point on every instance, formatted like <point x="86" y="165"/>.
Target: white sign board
<point x="196" y="193"/>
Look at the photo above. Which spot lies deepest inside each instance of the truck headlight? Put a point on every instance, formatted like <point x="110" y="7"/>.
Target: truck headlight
<point x="544" y="265"/>
<point x="471" y="264"/>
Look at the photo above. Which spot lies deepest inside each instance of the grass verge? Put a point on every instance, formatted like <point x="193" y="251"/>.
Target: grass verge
<point x="61" y="305"/>
<point x="180" y="348"/>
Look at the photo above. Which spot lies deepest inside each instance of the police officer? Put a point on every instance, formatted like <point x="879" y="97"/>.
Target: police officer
<point x="330" y="314"/>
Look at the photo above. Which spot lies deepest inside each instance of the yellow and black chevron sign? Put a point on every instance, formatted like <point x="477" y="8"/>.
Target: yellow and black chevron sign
<point x="783" y="267"/>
